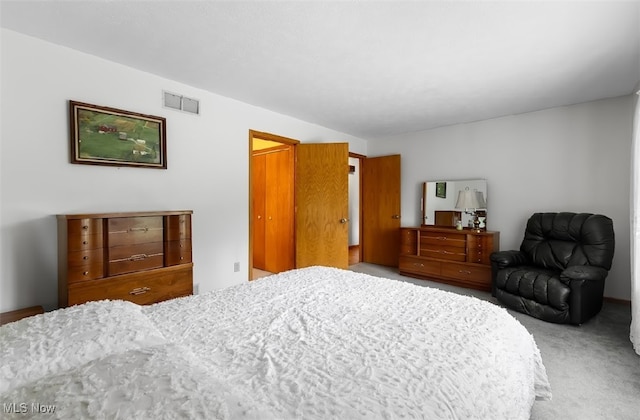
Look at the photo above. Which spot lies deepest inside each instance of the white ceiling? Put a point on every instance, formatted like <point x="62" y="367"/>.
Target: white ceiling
<point x="365" y="68"/>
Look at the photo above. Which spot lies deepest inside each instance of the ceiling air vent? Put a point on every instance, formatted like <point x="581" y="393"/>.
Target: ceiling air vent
<point x="182" y="103"/>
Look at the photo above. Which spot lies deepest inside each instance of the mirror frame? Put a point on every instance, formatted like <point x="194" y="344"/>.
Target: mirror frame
<point x="441" y="195"/>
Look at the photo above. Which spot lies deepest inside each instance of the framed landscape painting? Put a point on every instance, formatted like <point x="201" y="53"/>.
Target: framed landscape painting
<point x="109" y="136"/>
<point x="441" y="189"/>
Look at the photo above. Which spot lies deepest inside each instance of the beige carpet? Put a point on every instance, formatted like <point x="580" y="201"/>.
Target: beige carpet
<point x="257" y="273"/>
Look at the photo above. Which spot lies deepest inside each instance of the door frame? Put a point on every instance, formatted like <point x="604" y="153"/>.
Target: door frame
<point x="361" y="159"/>
<point x="254" y="134"/>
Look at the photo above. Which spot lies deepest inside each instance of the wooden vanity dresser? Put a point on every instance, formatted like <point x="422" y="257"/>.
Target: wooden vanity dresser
<point x="143" y="257"/>
<point x="447" y="255"/>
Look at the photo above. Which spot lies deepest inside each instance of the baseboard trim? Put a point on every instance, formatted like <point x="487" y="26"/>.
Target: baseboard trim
<point x="354" y="254"/>
<point x="616" y="300"/>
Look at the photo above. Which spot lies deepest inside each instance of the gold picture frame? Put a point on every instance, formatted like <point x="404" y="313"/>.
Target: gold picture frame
<point x="115" y="137"/>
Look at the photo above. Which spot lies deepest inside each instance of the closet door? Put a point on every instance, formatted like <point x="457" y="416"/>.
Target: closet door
<point x="259" y="210"/>
<point x="279" y="223"/>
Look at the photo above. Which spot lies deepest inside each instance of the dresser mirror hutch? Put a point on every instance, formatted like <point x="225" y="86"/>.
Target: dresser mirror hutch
<point x="439" y="199"/>
<point x="446" y="247"/>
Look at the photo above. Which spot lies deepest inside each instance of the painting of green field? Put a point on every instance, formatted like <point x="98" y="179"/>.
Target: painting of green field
<point x="117" y="138"/>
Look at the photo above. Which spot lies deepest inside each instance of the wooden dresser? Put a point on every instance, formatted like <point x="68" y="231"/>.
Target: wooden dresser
<point x="143" y="257"/>
<point x="447" y="255"/>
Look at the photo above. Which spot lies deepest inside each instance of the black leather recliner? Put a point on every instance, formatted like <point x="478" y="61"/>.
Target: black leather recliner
<point x="558" y="274"/>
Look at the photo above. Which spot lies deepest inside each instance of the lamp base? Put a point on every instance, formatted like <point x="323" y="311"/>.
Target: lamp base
<point x="476" y="225"/>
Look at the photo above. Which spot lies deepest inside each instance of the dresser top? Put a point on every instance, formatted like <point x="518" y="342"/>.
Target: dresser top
<point x="123" y="214"/>
<point x="444" y="229"/>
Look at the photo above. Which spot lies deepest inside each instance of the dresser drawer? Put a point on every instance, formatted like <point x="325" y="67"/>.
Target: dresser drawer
<point x="475" y="275"/>
<point x="85" y="272"/>
<point x="81" y="227"/>
<point x="129" y="258"/>
<point x="84" y="234"/>
<point x="440" y="238"/>
<point x="451" y="253"/>
<point x="408" y="241"/>
<point x="178" y="227"/>
<point x="85" y="257"/>
<point x="479" y="249"/>
<point x="477" y="256"/>
<point x="140" y="288"/>
<point x="84" y="242"/>
<point x="85" y="265"/>
<point x="407" y="249"/>
<point x="178" y="252"/>
<point x="135" y="230"/>
<point x="420" y="266"/>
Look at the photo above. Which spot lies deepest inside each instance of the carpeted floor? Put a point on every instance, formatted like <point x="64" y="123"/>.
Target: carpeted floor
<point x="593" y="370"/>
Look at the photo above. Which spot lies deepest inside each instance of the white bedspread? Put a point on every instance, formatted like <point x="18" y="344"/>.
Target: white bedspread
<point x="327" y="343"/>
<point x="313" y="343"/>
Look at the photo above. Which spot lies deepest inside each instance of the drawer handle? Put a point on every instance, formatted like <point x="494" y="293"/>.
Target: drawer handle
<point x="139" y="291"/>
<point x="85" y="273"/>
<point x="442" y="238"/>
<point x="464" y="271"/>
<point x="86" y="257"/>
<point x="85" y="227"/>
<point x="442" y="251"/>
<point x="136" y="257"/>
<point x="142" y="229"/>
<point x="418" y="264"/>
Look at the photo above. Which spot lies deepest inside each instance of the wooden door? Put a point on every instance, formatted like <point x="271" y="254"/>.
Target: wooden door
<point x="381" y="210"/>
<point x="279" y="243"/>
<point x="258" y="198"/>
<point x="322" y="205"/>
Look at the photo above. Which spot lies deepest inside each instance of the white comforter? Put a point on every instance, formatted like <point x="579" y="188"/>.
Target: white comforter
<point x="309" y="343"/>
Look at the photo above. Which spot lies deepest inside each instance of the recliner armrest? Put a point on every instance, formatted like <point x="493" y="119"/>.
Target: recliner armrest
<point x="583" y="272"/>
<point x="508" y="258"/>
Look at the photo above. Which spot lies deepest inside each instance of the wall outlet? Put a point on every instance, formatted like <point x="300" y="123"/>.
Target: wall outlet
<point x="236" y="267"/>
<point x="196" y="289"/>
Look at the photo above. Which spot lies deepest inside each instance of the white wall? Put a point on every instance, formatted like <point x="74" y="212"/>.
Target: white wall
<point x="574" y="158"/>
<point x="354" y="202"/>
<point x="207" y="160"/>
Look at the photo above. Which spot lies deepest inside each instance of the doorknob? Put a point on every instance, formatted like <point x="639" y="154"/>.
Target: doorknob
<point x="343" y="220"/>
<point x="395" y="216"/>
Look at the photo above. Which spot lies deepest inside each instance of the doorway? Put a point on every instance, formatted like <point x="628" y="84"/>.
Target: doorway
<point x="311" y="201"/>
<point x="317" y="221"/>
<point x="355" y="207"/>
<point x="271" y="203"/>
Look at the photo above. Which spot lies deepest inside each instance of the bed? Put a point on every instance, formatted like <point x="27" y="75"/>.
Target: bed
<point x="312" y="343"/>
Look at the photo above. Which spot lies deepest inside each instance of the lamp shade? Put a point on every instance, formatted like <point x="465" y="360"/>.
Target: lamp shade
<point x="468" y="199"/>
<point x="482" y="204"/>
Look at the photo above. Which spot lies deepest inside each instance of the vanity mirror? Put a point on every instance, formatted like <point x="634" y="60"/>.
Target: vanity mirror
<point x="445" y="203"/>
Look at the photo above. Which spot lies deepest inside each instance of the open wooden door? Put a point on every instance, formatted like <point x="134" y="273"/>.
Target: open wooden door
<point x="381" y="210"/>
<point x="322" y="204"/>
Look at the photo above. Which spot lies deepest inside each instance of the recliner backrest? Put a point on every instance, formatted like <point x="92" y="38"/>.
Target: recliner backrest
<point x="558" y="240"/>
